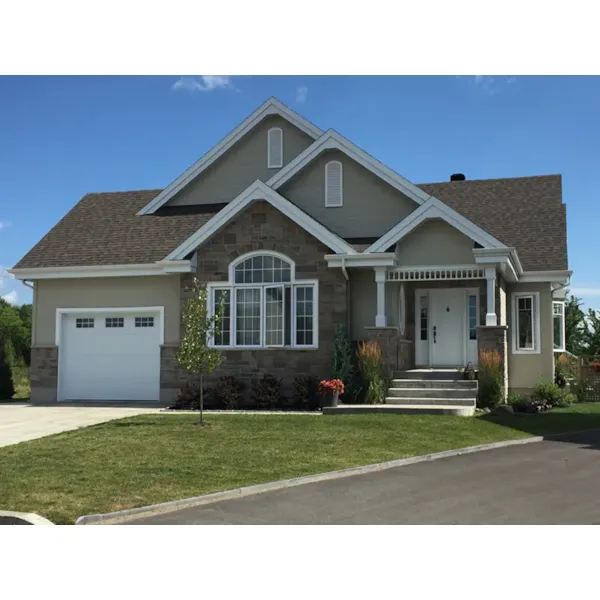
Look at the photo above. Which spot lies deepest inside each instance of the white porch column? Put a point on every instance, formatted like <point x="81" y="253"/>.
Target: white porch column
<point x="380" y="317"/>
<point x="490" y="315"/>
<point x="402" y="305"/>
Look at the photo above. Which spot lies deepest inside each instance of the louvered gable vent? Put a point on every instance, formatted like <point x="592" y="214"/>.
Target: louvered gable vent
<point x="275" y="148"/>
<point x="333" y="184"/>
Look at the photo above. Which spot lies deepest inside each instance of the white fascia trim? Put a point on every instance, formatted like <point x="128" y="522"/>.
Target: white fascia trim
<point x="383" y="259"/>
<point x="506" y="257"/>
<point x="157" y="268"/>
<point x="270" y="107"/>
<point x="259" y="191"/>
<point x="434" y="209"/>
<point x="543" y="276"/>
<point x="112" y="309"/>
<point x="332" y="140"/>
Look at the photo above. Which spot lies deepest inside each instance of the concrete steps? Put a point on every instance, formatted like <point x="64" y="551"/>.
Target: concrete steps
<point x="399" y="409"/>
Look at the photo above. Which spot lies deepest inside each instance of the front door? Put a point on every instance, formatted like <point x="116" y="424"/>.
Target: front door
<point x="447" y="327"/>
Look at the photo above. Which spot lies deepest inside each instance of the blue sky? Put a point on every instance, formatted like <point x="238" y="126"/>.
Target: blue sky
<point x="61" y="137"/>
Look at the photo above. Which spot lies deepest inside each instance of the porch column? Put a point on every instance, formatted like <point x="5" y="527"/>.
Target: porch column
<point x="380" y="317"/>
<point x="490" y="316"/>
<point x="402" y="305"/>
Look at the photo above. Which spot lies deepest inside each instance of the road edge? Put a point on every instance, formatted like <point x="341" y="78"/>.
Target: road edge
<point x="124" y="515"/>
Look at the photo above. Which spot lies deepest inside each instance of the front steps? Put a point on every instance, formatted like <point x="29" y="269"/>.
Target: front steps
<point x="422" y="391"/>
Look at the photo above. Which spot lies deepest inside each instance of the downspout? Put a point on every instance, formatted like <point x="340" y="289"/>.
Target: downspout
<point x="348" y="298"/>
<point x="27" y="284"/>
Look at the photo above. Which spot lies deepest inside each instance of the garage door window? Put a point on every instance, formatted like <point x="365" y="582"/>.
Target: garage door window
<point x="115" y="322"/>
<point x="144" y="321"/>
<point x="84" y="323"/>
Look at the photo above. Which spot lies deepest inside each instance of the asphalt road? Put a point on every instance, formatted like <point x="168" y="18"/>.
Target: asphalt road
<point x="551" y="482"/>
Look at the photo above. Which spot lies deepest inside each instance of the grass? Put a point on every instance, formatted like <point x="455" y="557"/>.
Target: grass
<point x="156" y="458"/>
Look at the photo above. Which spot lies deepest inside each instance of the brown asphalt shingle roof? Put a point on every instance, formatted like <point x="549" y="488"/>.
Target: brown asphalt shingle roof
<point x="524" y="212"/>
<point x="103" y="229"/>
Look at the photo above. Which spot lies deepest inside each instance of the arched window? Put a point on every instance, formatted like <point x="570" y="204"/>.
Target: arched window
<point x="275" y="148"/>
<point x="265" y="305"/>
<point x="334" y="193"/>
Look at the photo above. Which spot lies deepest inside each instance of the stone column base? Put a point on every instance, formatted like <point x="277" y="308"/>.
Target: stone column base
<point x="397" y="352"/>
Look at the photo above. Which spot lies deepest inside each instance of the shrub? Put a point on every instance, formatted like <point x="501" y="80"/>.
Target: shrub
<point x="342" y="366"/>
<point x="370" y="362"/>
<point x="306" y="396"/>
<point x="515" y="399"/>
<point x="227" y="392"/>
<point x="266" y="392"/>
<point x="188" y="397"/>
<point x="7" y="388"/>
<point x="490" y="390"/>
<point x="580" y="388"/>
<point x="552" y="394"/>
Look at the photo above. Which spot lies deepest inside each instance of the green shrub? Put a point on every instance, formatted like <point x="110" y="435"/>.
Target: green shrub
<point x="188" y="397"/>
<point x="490" y="391"/>
<point x="552" y="394"/>
<point x="306" y="392"/>
<point x="266" y="392"/>
<point x="342" y="366"/>
<point x="227" y="392"/>
<point x="515" y="399"/>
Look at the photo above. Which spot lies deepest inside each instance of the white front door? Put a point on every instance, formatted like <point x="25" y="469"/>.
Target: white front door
<point x="448" y="327"/>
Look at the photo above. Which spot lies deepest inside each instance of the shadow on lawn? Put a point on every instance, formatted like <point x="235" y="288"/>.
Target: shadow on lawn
<point x="568" y="427"/>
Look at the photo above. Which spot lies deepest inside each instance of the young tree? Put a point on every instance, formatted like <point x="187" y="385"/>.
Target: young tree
<point x="7" y="389"/>
<point x="194" y="354"/>
<point x="575" y="326"/>
<point x="592" y="333"/>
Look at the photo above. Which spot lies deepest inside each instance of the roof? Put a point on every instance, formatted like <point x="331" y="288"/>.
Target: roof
<point x="103" y="229"/>
<point x="524" y="212"/>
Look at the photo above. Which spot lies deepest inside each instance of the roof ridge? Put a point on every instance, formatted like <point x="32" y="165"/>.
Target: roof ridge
<point x="492" y="179"/>
<point x="123" y="192"/>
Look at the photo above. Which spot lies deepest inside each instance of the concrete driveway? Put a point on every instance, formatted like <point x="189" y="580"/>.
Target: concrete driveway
<point x="551" y="482"/>
<point x="23" y="422"/>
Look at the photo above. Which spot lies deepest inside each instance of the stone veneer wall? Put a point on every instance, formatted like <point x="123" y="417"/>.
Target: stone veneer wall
<point x="398" y="354"/>
<point x="43" y="373"/>
<point x="495" y="338"/>
<point x="263" y="227"/>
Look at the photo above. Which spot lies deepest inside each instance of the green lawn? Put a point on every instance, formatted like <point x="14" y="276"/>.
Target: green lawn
<point x="155" y="458"/>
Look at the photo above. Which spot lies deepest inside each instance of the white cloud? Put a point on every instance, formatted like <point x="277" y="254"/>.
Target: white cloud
<point x="4" y="224"/>
<point x="5" y="275"/>
<point x="11" y="297"/>
<point x="491" y="85"/>
<point x="204" y="83"/>
<point x="301" y="93"/>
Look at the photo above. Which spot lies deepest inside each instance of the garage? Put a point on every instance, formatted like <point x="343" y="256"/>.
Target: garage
<point x="109" y="355"/>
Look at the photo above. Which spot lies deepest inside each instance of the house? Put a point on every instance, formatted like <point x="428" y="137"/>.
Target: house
<point x="297" y="230"/>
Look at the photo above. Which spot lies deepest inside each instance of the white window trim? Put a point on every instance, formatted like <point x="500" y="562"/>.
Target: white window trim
<point x="563" y="347"/>
<point x="327" y="203"/>
<point x="270" y="164"/>
<point x="537" y="346"/>
<point x="294" y="283"/>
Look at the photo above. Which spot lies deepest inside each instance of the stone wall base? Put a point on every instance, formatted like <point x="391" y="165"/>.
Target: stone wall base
<point x="398" y="354"/>
<point x="494" y="337"/>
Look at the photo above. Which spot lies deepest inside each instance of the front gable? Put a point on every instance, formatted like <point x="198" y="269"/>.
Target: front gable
<point x="244" y="163"/>
<point x="369" y="204"/>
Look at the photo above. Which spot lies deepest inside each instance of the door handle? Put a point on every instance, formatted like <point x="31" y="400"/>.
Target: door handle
<point x="434" y="333"/>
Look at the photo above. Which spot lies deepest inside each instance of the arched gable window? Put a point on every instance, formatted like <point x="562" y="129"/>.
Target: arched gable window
<point x="275" y="148"/>
<point x="265" y="305"/>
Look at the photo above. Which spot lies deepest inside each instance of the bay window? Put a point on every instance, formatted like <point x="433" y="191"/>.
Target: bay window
<point x="265" y="306"/>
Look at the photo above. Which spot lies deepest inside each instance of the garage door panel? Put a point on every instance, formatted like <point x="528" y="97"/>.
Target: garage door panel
<point x="112" y="362"/>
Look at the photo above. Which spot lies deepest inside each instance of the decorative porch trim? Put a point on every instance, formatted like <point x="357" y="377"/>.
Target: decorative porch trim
<point x="447" y="273"/>
<point x="384" y="259"/>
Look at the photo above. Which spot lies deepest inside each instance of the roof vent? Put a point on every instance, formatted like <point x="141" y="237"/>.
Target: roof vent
<point x="457" y="177"/>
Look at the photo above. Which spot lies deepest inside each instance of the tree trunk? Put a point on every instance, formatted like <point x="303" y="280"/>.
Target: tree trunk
<point x="201" y="398"/>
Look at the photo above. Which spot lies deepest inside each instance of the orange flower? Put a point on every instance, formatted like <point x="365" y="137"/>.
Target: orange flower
<point x="329" y="386"/>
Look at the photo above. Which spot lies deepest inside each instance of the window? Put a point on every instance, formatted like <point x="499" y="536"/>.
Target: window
<point x="472" y="317"/>
<point x="114" y="322"/>
<point x="334" y="184"/>
<point x="526" y="323"/>
<point x="264" y="306"/>
<point x="144" y="321"/>
<point x="558" y="321"/>
<point x="423" y="307"/>
<point x="84" y="323"/>
<point x="275" y="148"/>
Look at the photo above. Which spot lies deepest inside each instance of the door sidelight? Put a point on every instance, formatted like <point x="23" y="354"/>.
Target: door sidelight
<point x="434" y="333"/>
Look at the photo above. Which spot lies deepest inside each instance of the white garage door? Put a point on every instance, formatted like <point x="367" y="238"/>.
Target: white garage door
<point x="110" y="356"/>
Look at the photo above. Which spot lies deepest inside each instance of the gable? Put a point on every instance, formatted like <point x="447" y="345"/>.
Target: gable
<point x="435" y="242"/>
<point x="244" y="163"/>
<point x="370" y="205"/>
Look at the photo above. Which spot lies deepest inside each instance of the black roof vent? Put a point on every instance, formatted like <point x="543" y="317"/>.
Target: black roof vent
<point x="457" y="177"/>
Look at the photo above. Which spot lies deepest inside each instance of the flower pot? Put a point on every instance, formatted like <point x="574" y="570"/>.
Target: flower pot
<point x="329" y="400"/>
